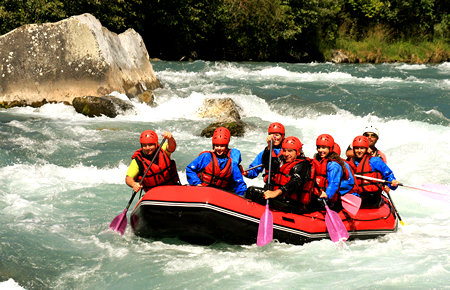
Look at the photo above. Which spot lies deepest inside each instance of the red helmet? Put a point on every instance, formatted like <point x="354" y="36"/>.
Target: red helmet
<point x="337" y="149"/>
<point x="148" y="137"/>
<point x="276" y="128"/>
<point x="360" y="141"/>
<point x="292" y="142"/>
<point x="221" y="136"/>
<point x="325" y="140"/>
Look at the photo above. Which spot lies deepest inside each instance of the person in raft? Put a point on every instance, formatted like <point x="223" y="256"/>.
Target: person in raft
<point x="372" y="134"/>
<point x="163" y="170"/>
<point x="276" y="134"/>
<point x="347" y="185"/>
<point x="292" y="184"/>
<point x="365" y="164"/>
<point x="219" y="167"/>
<point x="330" y="171"/>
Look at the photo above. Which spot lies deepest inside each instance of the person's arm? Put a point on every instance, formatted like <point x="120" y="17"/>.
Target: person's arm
<point x="172" y="144"/>
<point x="334" y="174"/>
<point x="132" y="173"/>
<point x="378" y="164"/>
<point x="239" y="184"/>
<point x="348" y="184"/>
<point x="255" y="172"/>
<point x="196" y="166"/>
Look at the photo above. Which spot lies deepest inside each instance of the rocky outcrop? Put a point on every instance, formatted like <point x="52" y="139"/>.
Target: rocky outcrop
<point x="75" y="57"/>
<point x="339" y="57"/>
<point x="97" y="106"/>
<point x="226" y="114"/>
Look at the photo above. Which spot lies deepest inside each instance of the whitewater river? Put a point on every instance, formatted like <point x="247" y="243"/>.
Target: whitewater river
<point x="62" y="180"/>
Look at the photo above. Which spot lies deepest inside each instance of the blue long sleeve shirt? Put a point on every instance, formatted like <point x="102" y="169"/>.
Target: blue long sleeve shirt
<point x="334" y="175"/>
<point x="347" y="185"/>
<point x="258" y="161"/>
<point x="204" y="159"/>
<point x="378" y="164"/>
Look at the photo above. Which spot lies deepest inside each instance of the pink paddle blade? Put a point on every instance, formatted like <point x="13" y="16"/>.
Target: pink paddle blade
<point x="351" y="203"/>
<point x="265" y="229"/>
<point x="119" y="223"/>
<point x="335" y="226"/>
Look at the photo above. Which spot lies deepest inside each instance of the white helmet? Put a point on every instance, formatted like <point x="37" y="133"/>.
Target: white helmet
<point x="372" y="129"/>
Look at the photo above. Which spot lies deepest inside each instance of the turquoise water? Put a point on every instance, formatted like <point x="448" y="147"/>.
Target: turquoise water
<point x="62" y="180"/>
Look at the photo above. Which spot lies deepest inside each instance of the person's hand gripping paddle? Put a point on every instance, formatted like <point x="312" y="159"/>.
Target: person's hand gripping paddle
<point x="265" y="229"/>
<point x="119" y="223"/>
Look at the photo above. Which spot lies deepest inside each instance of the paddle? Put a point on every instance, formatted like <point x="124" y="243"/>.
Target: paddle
<point x="265" y="228"/>
<point x="254" y="167"/>
<point x="400" y="184"/>
<point x="351" y="203"/>
<point x="119" y="223"/>
<point x="388" y="195"/>
<point x="335" y="226"/>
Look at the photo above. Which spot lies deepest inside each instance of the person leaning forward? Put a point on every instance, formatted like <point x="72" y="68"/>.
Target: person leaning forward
<point x="162" y="171"/>
<point x="290" y="179"/>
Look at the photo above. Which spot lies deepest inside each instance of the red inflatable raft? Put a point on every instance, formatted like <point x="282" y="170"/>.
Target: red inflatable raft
<point x="205" y="215"/>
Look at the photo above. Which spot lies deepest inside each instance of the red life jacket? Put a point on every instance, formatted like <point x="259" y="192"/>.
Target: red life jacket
<point x="364" y="168"/>
<point x="212" y="175"/>
<point x="282" y="177"/>
<point x="321" y="177"/>
<point x="162" y="171"/>
<point x="266" y="172"/>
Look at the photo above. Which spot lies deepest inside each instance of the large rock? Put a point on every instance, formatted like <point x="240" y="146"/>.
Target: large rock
<point x="96" y="106"/>
<point x="226" y="114"/>
<point x="71" y="58"/>
<point x="224" y="109"/>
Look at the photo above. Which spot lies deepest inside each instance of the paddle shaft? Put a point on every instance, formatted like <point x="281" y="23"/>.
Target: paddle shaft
<point x="400" y="184"/>
<point x="265" y="228"/>
<point x="270" y="165"/>
<point x="145" y="173"/>
<point x="251" y="168"/>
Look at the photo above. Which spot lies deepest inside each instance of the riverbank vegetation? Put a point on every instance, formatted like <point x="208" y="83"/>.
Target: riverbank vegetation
<point x="413" y="31"/>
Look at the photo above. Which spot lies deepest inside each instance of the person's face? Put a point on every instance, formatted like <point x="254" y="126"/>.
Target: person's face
<point x="359" y="151"/>
<point x="373" y="138"/>
<point x="148" y="148"/>
<point x="277" y="139"/>
<point x="219" y="149"/>
<point x="289" y="154"/>
<point x="323" y="151"/>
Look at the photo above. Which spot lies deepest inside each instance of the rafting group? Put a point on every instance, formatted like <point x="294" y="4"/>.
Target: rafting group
<point x="293" y="182"/>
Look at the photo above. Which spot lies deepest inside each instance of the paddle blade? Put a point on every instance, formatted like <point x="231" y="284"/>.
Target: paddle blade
<point x="119" y="223"/>
<point x="335" y="226"/>
<point x="351" y="203"/>
<point x="265" y="229"/>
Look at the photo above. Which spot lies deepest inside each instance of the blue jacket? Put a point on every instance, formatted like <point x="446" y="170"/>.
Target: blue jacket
<point x="378" y="164"/>
<point x="347" y="185"/>
<point x="334" y="175"/>
<point x="258" y="161"/>
<point x="204" y="159"/>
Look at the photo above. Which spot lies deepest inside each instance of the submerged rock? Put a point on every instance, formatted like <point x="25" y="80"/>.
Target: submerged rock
<point x="97" y="106"/>
<point x="75" y="57"/>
